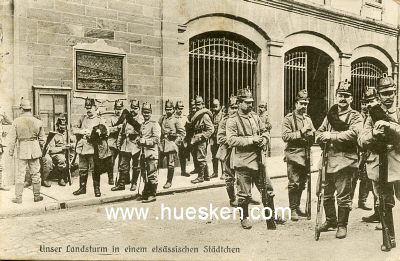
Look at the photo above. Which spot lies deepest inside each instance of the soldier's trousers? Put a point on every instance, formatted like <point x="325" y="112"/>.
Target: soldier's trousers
<point x="171" y="157"/>
<point x="297" y="176"/>
<point x="388" y="192"/>
<point x="150" y="173"/>
<point x="60" y="165"/>
<point x="200" y="158"/>
<point x="214" y="149"/>
<point x="33" y="170"/>
<point x="245" y="177"/>
<point x="182" y="154"/>
<point x="228" y="172"/>
<point x="86" y="167"/>
<point x="341" y="183"/>
<point x="46" y="164"/>
<point x="125" y="167"/>
<point x="114" y="154"/>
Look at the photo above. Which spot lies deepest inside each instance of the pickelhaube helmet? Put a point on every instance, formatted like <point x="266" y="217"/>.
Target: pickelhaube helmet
<point x="262" y="104"/>
<point x="135" y="104"/>
<point x="25" y="104"/>
<point x="245" y="95"/>
<point x="118" y="104"/>
<point x="302" y="95"/>
<point x="61" y="120"/>
<point x="89" y="103"/>
<point x="146" y="106"/>
<point x="179" y="104"/>
<point x="344" y="87"/>
<point x="199" y="100"/>
<point x="232" y="101"/>
<point x="169" y="104"/>
<point x="370" y="93"/>
<point x="386" y="83"/>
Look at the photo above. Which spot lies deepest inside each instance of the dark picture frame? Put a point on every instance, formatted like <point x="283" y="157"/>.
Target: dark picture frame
<point x="99" y="72"/>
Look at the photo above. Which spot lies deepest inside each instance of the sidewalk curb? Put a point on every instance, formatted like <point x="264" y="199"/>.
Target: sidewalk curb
<point x="69" y="204"/>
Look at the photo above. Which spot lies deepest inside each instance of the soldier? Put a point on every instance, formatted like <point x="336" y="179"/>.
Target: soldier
<point x="217" y="114"/>
<point x="85" y="149"/>
<point x="28" y="132"/>
<point x="150" y="133"/>
<point x="263" y="114"/>
<point x="339" y="130"/>
<point x="182" y="147"/>
<point x="298" y="132"/>
<point x="172" y="134"/>
<point x="4" y="120"/>
<point x="203" y="128"/>
<point x="384" y="131"/>
<point x="129" y="151"/>
<point x="113" y="136"/>
<point x="192" y="111"/>
<point x="246" y="135"/>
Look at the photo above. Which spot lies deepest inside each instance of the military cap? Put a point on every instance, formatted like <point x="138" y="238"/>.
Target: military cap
<point x="192" y="102"/>
<point x="179" y="104"/>
<point x="215" y="102"/>
<point x="232" y="101"/>
<point x="25" y="104"/>
<point x="245" y="95"/>
<point x="386" y="83"/>
<point x="118" y="104"/>
<point x="198" y="100"/>
<point x="302" y="95"/>
<point x="146" y="106"/>
<point x="61" y="121"/>
<point x="344" y="87"/>
<point x="135" y="104"/>
<point x="262" y="104"/>
<point x="169" y="104"/>
<point x="370" y="93"/>
<point x="89" y="103"/>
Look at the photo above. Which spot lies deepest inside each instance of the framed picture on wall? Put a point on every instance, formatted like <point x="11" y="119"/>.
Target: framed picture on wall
<point x="99" y="72"/>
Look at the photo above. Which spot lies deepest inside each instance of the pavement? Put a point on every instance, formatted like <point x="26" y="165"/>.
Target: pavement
<point x="57" y="197"/>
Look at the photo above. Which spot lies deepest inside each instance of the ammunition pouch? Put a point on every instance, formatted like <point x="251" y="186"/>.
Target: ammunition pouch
<point x="172" y="136"/>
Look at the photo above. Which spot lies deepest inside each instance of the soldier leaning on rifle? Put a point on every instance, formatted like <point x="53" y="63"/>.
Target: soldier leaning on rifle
<point x="263" y="113"/>
<point x="386" y="131"/>
<point x="85" y="149"/>
<point x="298" y="132"/>
<point x="340" y="129"/>
<point x="129" y="151"/>
<point x="27" y="132"/>
<point x="4" y="120"/>
<point x="150" y="133"/>
<point x="246" y="135"/>
<point x="172" y="134"/>
<point x="182" y="147"/>
<point x="203" y="129"/>
<point x="217" y="115"/>
<point x="113" y="136"/>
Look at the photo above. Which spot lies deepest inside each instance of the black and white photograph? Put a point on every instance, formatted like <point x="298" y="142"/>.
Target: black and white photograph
<point x="200" y="130"/>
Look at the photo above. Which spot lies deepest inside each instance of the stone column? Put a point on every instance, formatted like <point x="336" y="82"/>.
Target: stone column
<point x="344" y="67"/>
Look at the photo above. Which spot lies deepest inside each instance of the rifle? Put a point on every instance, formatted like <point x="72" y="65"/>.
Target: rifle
<point x="48" y="140"/>
<point x="308" y="169"/>
<point x="321" y="190"/>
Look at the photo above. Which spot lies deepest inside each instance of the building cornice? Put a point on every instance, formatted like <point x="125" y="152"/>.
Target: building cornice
<point x="330" y="15"/>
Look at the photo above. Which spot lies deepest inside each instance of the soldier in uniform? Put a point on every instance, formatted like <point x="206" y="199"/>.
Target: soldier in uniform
<point x="192" y="111"/>
<point x="203" y="128"/>
<point x="172" y="134"/>
<point x="263" y="114"/>
<point x="4" y="120"/>
<point x="384" y="131"/>
<point x="129" y="151"/>
<point x="150" y="133"/>
<point x="246" y="135"/>
<point x="85" y="149"/>
<point x="217" y="114"/>
<point x="182" y="147"/>
<point x="339" y="131"/>
<point x="113" y="136"/>
<point x="298" y="133"/>
<point x="28" y="132"/>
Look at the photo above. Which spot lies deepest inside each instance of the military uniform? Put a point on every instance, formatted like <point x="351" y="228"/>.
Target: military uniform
<point x="150" y="133"/>
<point x="264" y="116"/>
<point x="343" y="128"/>
<point x="182" y="146"/>
<point x="27" y="132"/>
<point x="3" y="121"/>
<point x="297" y="142"/>
<point x="216" y="118"/>
<point x="172" y="134"/>
<point x="203" y="128"/>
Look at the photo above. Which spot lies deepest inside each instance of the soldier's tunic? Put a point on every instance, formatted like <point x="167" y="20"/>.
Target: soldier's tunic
<point x="28" y="133"/>
<point x="224" y="152"/>
<point x="342" y="158"/>
<point x="57" y="154"/>
<point x="3" y="121"/>
<point x="367" y="141"/>
<point x="296" y="142"/>
<point x="129" y="150"/>
<point x="245" y="155"/>
<point x="150" y="131"/>
<point x="182" y="152"/>
<point x="216" y="119"/>
<point x="113" y="134"/>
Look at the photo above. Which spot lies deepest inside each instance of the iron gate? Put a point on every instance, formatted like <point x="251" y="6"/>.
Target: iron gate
<point x="364" y="73"/>
<point x="219" y="66"/>
<point x="295" y="77"/>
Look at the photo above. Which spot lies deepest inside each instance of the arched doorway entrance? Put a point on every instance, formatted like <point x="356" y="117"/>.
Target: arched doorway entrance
<point x="365" y="71"/>
<point x="220" y="63"/>
<point x="312" y="69"/>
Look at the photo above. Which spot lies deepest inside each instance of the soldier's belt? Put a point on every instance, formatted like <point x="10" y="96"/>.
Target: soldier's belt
<point x="198" y="131"/>
<point x="28" y="139"/>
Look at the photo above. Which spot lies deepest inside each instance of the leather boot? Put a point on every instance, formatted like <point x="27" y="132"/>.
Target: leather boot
<point x="230" y="188"/>
<point x="82" y="185"/>
<point x="110" y="178"/>
<point x="46" y="184"/>
<point x="293" y="193"/>
<point x="120" y="185"/>
<point x="390" y="224"/>
<point x="331" y="219"/>
<point x="170" y="176"/>
<point x="61" y="177"/>
<point x="215" y="168"/>
<point x="245" y="221"/>
<point x="363" y="192"/>
<point x="19" y="188"/>
<point x="96" y="186"/>
<point x="206" y="172"/>
<point x="144" y="194"/>
<point x="36" y="192"/>
<point x="374" y="218"/>
<point x="343" y="218"/>
<point x="299" y="212"/>
<point x="200" y="177"/>
<point x="183" y="167"/>
<point x="152" y="194"/>
<point x="135" y="176"/>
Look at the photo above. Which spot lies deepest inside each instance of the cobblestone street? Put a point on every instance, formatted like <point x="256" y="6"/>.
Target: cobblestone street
<point x="26" y="237"/>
